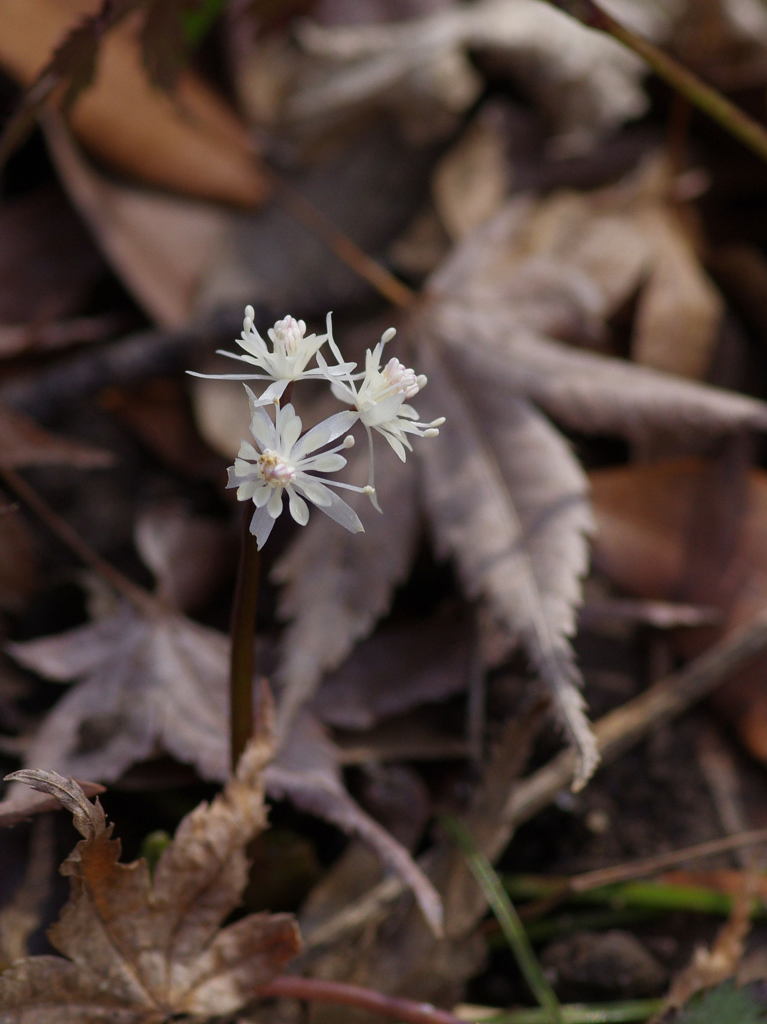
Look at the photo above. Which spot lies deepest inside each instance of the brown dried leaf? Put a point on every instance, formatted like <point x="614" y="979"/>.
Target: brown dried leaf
<point x="140" y="949"/>
<point x="400" y="667"/>
<point x="194" y="145"/>
<point x="159" y="245"/>
<point x="42" y="284"/>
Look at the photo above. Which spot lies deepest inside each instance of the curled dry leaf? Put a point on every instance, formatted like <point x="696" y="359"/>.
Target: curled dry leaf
<point x="139" y="948"/>
<point x="160" y="245"/>
<point x="583" y="80"/>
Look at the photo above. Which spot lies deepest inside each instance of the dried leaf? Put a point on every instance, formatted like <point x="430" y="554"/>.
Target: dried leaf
<point x="195" y="145"/>
<point x="400" y="667"/>
<point x="686" y="529"/>
<point x="23" y="805"/>
<point x="142" y="948"/>
<point x="307" y="773"/>
<point x="582" y="79"/>
<point x="508" y="501"/>
<point x="137" y="671"/>
<point x="41" y="284"/>
<point x="159" y="245"/>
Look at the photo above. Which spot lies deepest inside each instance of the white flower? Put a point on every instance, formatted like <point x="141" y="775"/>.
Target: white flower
<point x="282" y="463"/>
<point x="292" y="349"/>
<point x="381" y="397"/>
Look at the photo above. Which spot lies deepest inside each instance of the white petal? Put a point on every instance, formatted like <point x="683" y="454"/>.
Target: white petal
<point x="274" y="504"/>
<point x="298" y="507"/>
<point x="343" y="514"/>
<point x="247" y="451"/>
<point x="325" y="462"/>
<point x="396" y="444"/>
<point x="229" y="376"/>
<point x="290" y="432"/>
<point x="261" y="494"/>
<point x="327" y="430"/>
<point x="317" y="493"/>
<point x="262" y="428"/>
<point x="261" y="526"/>
<point x="247" y="489"/>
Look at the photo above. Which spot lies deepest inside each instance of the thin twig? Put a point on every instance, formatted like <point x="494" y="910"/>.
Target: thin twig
<point x="315" y="990"/>
<point x="709" y="100"/>
<point x="139" y="597"/>
<point x="621" y="728"/>
<point x="370" y="270"/>
<point x="662" y="861"/>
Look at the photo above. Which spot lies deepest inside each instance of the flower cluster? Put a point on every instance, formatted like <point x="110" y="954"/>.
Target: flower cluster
<point x="284" y="461"/>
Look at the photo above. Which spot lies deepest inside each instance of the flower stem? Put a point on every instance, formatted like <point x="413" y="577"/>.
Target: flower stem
<point x="242" y="657"/>
<point x="709" y="100"/>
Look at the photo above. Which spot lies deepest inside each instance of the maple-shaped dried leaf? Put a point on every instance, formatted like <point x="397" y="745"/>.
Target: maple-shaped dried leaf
<point x="139" y="948"/>
<point x="137" y="671"/>
<point x="508" y="500"/>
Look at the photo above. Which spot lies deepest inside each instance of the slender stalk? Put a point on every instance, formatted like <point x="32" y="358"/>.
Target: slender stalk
<point x="509" y="920"/>
<point x="242" y="656"/>
<point x="315" y="990"/>
<point x="591" y="1013"/>
<point x="709" y="100"/>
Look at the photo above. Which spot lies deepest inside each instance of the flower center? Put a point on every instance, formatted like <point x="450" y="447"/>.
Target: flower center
<point x="398" y="377"/>
<point x="288" y="335"/>
<point x="275" y="470"/>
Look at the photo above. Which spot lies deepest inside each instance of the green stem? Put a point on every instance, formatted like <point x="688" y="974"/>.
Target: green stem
<point x="709" y="100"/>
<point x="626" y="895"/>
<point x="596" y="1013"/>
<point x="511" y="925"/>
<point x="241" y="665"/>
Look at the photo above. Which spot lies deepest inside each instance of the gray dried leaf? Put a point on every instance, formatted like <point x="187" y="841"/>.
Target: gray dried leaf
<point x="582" y="79"/>
<point x="136" y="672"/>
<point x="400" y="667"/>
<point x="142" y="948"/>
<point x="508" y="501"/>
